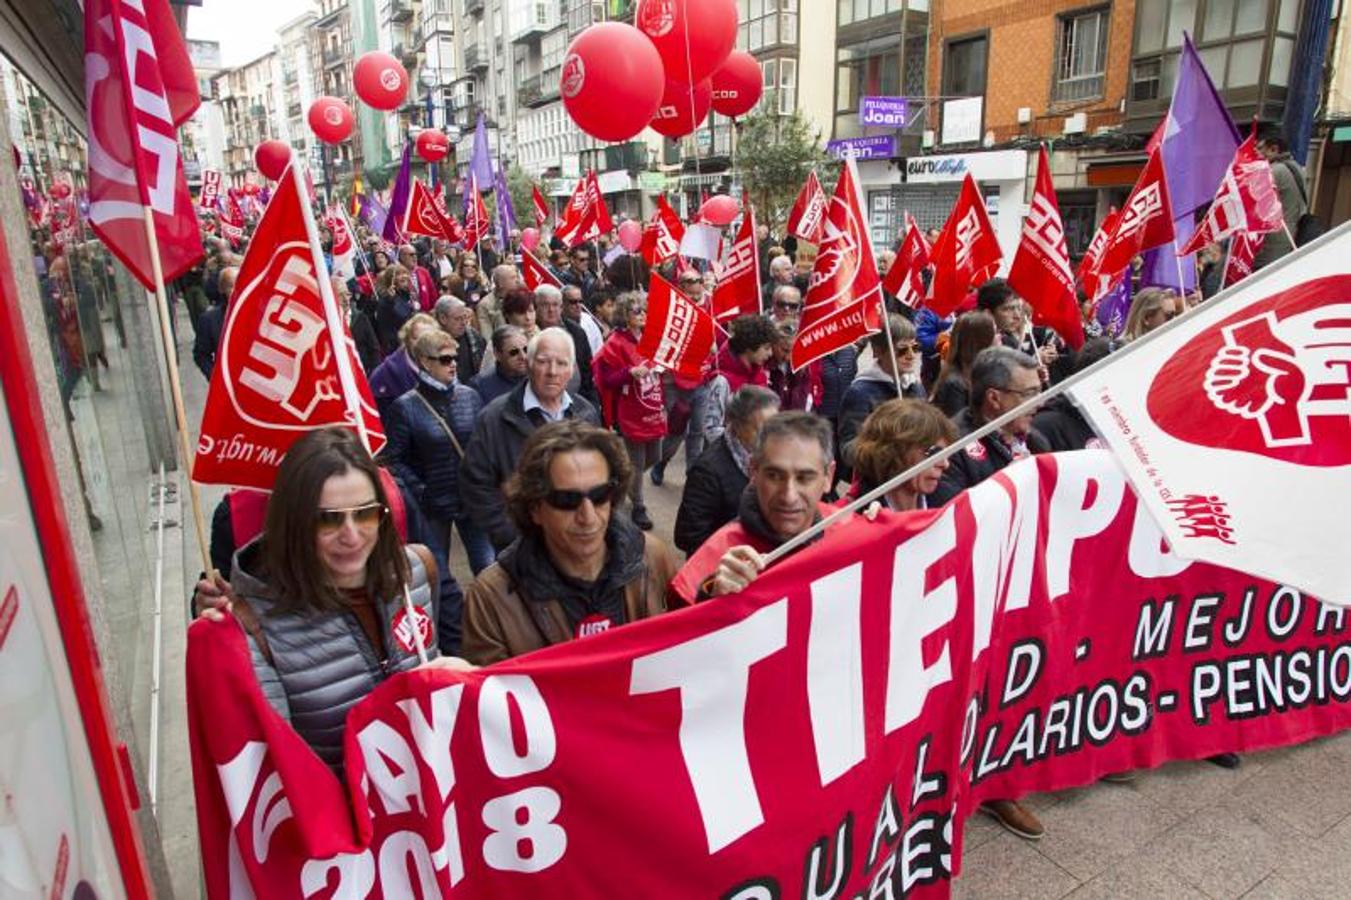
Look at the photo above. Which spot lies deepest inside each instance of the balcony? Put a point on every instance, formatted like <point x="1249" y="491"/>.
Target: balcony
<point x="538" y="90"/>
<point x="407" y="53"/>
<point x="473" y="7"/>
<point x="541" y="18"/>
<point x="289" y="76"/>
<point x="258" y="111"/>
<point x="400" y="10"/>
<point x="475" y="58"/>
<point x="330" y="13"/>
<point x="333" y="56"/>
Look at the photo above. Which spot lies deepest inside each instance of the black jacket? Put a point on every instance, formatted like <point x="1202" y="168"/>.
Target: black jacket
<point x="206" y="343"/>
<point x="583" y="347"/>
<point x="977" y="461"/>
<point x="469" y="353"/>
<point x="868" y="392"/>
<point x="419" y="452"/>
<point x="493" y="384"/>
<point x="838" y="371"/>
<point x="1063" y="426"/>
<point x="492" y="454"/>
<point x="713" y="491"/>
<point x="363" y="335"/>
<point x="952" y="395"/>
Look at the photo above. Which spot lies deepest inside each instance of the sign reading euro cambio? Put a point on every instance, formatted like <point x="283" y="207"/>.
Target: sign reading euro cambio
<point x="862" y="148"/>
<point x="883" y="112"/>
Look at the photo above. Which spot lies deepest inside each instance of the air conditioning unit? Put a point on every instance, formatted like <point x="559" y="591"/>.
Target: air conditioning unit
<point x="1076" y="124"/>
<point x="928" y="139"/>
<point x="1024" y="115"/>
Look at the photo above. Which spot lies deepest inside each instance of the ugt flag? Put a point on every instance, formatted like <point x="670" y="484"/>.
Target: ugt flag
<point x="541" y="206"/>
<point x="738" y="289"/>
<point x="844" y="296"/>
<point x="1041" y="267"/>
<point x="1235" y="424"/>
<point x="287" y="364"/>
<point x="808" y="217"/>
<point x="139" y="87"/>
<point x="1247" y="201"/>
<point x="904" y="280"/>
<point x="679" y="334"/>
<point x="965" y="254"/>
<point x="536" y="273"/>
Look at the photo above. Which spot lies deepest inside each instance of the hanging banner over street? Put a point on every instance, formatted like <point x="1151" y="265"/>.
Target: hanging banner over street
<point x="825" y="732"/>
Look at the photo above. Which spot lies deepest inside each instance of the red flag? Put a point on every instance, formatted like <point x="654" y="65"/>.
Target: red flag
<point x="965" y="254"/>
<point x="423" y="215"/>
<point x="1041" y="267"/>
<point x="904" y="280"/>
<point x="679" y="334"/>
<point x="277" y="375"/>
<point x="808" y="217"/>
<point x="139" y="88"/>
<point x="1242" y="249"/>
<point x="541" y="207"/>
<point x="1088" y="266"/>
<point x="1146" y="220"/>
<point x="1247" y="201"/>
<point x="601" y="222"/>
<point x="536" y="273"/>
<point x="476" y="222"/>
<point x="454" y="233"/>
<point x="738" y="289"/>
<point x="662" y="236"/>
<point x="572" y="223"/>
<point x="844" y="297"/>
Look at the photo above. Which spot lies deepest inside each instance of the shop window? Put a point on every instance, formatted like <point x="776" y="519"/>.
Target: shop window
<point x="1081" y="56"/>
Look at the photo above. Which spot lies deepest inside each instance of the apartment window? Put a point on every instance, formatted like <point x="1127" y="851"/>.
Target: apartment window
<point x="766" y="23"/>
<point x="1080" y="56"/>
<point x="964" y="67"/>
<point x="780" y="93"/>
<point x="870" y="69"/>
<point x="851" y="11"/>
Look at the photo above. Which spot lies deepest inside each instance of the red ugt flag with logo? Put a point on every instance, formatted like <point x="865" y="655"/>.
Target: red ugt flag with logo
<point x="738" y="290"/>
<point x="678" y="335"/>
<point x="1247" y="201"/>
<point x="1146" y="220"/>
<point x="139" y="87"/>
<point x="965" y="254"/>
<point x="903" y="280"/>
<point x="662" y="236"/>
<point x="1041" y="267"/>
<point x="423" y="215"/>
<point x="536" y="273"/>
<point x="808" y="217"/>
<point x="844" y="296"/>
<point x="541" y="206"/>
<point x="277" y="374"/>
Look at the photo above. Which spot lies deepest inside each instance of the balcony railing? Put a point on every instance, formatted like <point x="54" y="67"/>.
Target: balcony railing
<point x="400" y="10"/>
<point x="333" y="56"/>
<point x="474" y="57"/>
<point x="473" y="6"/>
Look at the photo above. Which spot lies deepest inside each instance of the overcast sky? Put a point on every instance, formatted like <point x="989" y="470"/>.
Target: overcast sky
<point x="246" y="29"/>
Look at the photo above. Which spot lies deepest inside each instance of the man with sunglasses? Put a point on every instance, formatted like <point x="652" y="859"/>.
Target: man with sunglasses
<point x="509" y="367"/>
<point x="577" y="569"/>
<point x="787" y="303"/>
<point x="507" y="422"/>
<point x="579" y="274"/>
<point x="875" y="384"/>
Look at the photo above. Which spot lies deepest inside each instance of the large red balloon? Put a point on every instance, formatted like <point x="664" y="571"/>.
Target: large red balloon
<point x="682" y="109"/>
<point x="720" y="209"/>
<point x="612" y="81"/>
<point x="380" y="80"/>
<point x="737" y="86"/>
<point x="271" y="158"/>
<point x="432" y="145"/>
<point x="692" y="36"/>
<point x="330" y="119"/>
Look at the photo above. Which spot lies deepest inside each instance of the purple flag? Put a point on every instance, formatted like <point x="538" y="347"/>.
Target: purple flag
<point x="1114" y="306"/>
<point x="481" y="160"/>
<point x="398" y="204"/>
<point x="1162" y="264"/>
<point x="373" y="213"/>
<point x="506" y="215"/>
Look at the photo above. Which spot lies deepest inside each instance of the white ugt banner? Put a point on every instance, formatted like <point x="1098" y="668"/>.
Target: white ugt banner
<point x="1235" y="425"/>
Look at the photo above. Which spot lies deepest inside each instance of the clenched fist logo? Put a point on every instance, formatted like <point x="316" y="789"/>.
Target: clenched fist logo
<point x="1277" y="376"/>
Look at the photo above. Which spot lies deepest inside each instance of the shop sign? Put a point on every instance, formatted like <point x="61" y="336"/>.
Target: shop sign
<point x="883" y="112"/>
<point x="861" y="148"/>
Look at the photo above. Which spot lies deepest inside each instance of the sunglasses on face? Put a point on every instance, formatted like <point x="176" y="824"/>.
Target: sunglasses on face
<point x="567" y="501"/>
<point x="514" y="351"/>
<point x="791" y="307"/>
<point x="903" y="349"/>
<point x="934" y="450"/>
<point x="366" y="516"/>
<point x="445" y="359"/>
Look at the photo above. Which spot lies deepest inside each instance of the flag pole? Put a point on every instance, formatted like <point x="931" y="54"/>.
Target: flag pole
<point x="1022" y="409"/>
<point x="343" y="360"/>
<point x="176" y="387"/>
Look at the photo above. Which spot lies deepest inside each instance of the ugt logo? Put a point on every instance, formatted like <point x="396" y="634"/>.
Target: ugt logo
<point x="1277" y="375"/>
<point x="1201" y="516"/>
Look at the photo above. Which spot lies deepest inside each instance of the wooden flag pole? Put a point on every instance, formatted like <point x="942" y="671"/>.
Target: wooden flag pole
<point x="176" y="390"/>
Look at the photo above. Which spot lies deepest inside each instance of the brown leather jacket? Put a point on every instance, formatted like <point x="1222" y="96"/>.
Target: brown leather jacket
<point x="500" y="623"/>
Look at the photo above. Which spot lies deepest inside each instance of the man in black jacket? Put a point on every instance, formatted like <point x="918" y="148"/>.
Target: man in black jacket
<point x="1060" y="422"/>
<point x="713" y="488"/>
<point x="549" y="314"/>
<point x="505" y="423"/>
<point x="211" y="323"/>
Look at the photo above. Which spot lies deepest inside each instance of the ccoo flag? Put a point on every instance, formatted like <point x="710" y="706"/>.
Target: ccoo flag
<point x="1041" y="267"/>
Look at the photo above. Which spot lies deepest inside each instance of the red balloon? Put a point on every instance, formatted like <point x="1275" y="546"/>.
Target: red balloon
<point x="380" y="80"/>
<point x="692" y="36"/>
<point x="271" y="158"/>
<point x="737" y="86"/>
<point x="330" y="119"/>
<point x="432" y="145"/>
<point x="720" y="209"/>
<point x="682" y="109"/>
<point x="60" y="190"/>
<point x="612" y="81"/>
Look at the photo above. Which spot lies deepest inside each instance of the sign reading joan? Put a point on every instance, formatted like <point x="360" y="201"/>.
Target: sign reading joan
<point x="883" y="112"/>
<point x="879" y="147"/>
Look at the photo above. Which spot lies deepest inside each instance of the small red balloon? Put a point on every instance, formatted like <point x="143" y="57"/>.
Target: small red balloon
<point x="330" y="119"/>
<point x="682" y="108"/>
<point x="720" y="209"/>
<point x="251" y="189"/>
<point x="60" y="190"/>
<point x="611" y="81"/>
<point x="737" y="86"/>
<point x="692" y="36"/>
<point x="271" y="158"/>
<point x="432" y="145"/>
<point x="380" y="80"/>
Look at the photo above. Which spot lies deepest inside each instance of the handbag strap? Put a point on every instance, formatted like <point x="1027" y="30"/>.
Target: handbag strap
<point x="450" y="434"/>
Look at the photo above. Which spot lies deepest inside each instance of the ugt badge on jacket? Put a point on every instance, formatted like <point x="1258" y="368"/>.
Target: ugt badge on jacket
<point x="1235" y="424"/>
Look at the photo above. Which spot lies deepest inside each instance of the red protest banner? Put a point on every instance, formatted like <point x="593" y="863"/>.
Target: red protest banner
<point x="738" y="289"/>
<point x="541" y="206"/>
<point x="833" y="725"/>
<point x="807" y="219"/>
<point x="679" y="333"/>
<point x="277" y="374"/>
<point x="904" y="280"/>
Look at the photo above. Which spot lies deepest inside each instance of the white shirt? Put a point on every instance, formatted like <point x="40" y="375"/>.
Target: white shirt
<point x="531" y="401"/>
<point x="592" y="329"/>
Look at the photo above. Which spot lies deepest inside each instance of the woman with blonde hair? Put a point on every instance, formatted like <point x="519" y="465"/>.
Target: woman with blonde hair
<point x="896" y="436"/>
<point x="1151" y="308"/>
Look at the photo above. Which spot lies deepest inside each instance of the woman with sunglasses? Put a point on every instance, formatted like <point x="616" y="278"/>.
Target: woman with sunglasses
<point x="896" y="436"/>
<point x="576" y="569"/>
<point x="1151" y="308"/>
<point x="632" y="396"/>
<point x="427" y="430"/>
<point x="321" y="594"/>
